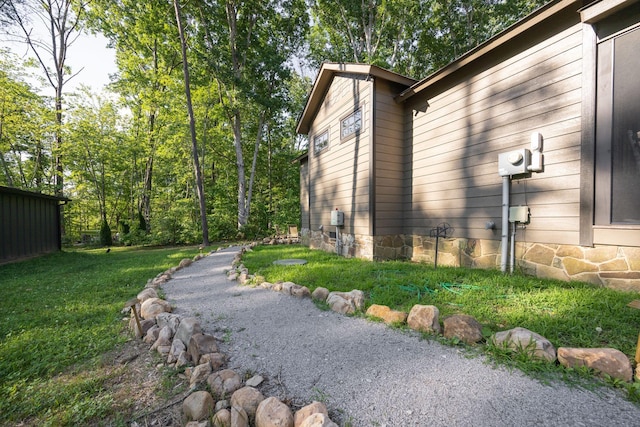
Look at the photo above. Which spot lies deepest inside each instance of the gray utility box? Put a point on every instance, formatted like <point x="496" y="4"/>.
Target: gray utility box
<point x="337" y="218"/>
<point x="514" y="162"/>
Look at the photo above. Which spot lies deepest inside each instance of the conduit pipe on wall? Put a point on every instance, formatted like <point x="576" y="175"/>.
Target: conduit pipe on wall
<point x="505" y="223"/>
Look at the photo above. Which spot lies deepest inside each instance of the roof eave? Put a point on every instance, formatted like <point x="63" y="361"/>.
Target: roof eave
<point x="525" y="24"/>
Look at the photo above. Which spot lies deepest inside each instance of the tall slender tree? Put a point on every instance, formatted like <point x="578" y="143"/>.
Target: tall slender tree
<point x="192" y="126"/>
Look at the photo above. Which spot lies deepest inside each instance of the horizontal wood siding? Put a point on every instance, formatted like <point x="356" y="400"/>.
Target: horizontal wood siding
<point x="452" y="169"/>
<point x="304" y="194"/>
<point x="339" y="175"/>
<point x="389" y="161"/>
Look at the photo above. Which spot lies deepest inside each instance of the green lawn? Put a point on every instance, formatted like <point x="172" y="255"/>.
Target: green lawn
<point x="58" y="315"/>
<point x="569" y="314"/>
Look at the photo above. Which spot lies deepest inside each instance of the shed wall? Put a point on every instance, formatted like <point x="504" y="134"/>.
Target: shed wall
<point x="29" y="225"/>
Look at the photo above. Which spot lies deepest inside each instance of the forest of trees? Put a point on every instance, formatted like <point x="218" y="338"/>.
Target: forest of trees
<point x="194" y="139"/>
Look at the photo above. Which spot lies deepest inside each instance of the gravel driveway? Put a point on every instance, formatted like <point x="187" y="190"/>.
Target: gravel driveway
<point x="367" y="373"/>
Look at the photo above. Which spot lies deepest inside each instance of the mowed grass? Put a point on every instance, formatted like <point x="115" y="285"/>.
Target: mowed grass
<point x="58" y="315"/>
<point x="569" y="314"/>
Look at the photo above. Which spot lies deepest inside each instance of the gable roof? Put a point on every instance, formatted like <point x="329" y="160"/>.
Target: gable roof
<point x="324" y="78"/>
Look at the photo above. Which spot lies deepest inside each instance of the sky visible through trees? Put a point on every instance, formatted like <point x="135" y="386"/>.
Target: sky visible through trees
<point x="201" y="137"/>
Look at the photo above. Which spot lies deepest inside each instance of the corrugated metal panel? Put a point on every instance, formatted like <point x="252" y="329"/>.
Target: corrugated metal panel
<point x="29" y="224"/>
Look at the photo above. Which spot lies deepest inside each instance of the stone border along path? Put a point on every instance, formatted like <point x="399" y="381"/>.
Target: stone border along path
<point x="366" y="373"/>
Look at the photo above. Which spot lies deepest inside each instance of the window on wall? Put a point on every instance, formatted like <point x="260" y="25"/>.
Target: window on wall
<point x="351" y="124"/>
<point x="617" y="159"/>
<point x="321" y="141"/>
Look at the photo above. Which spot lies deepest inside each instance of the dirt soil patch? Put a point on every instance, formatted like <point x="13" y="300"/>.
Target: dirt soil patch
<point x="145" y="391"/>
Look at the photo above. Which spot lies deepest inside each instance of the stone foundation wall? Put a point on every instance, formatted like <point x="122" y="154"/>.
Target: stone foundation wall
<point x="615" y="267"/>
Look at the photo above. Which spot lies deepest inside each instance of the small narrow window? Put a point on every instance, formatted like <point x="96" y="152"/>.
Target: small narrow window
<point x="351" y="124"/>
<point x="321" y="141"/>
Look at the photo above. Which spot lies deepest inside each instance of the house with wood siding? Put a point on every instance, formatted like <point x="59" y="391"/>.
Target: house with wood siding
<point x="546" y="114"/>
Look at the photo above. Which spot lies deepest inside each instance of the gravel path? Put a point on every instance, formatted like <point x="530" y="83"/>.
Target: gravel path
<point x="367" y="373"/>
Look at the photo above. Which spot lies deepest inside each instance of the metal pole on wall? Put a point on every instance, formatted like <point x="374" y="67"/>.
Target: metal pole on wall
<point x="505" y="223"/>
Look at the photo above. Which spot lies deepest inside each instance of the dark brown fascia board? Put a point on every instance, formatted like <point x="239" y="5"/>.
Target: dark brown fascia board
<point x="327" y="72"/>
<point x="11" y="190"/>
<point x="525" y="24"/>
<point x="601" y="9"/>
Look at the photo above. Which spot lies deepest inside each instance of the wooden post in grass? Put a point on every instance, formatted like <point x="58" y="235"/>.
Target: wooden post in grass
<point x="132" y="303"/>
<point x="636" y="304"/>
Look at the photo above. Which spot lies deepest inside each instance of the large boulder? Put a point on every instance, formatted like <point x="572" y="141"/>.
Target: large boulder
<point x="524" y="340"/>
<point x="272" y="412"/>
<point x="151" y="307"/>
<point x="463" y="327"/>
<point x="424" y="318"/>
<point x="386" y="314"/>
<point x="346" y="302"/>
<point x="306" y="411"/>
<point x="247" y="398"/>
<point x="607" y="361"/>
<point x="198" y="406"/>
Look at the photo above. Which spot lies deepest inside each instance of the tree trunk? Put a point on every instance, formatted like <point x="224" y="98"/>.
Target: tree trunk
<point x="192" y="128"/>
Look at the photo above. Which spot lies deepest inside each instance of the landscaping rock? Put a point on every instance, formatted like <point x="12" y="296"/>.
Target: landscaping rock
<point x="318" y="420"/>
<point x="320" y="294"/>
<point x="222" y="404"/>
<point x="346" y="302"/>
<point x="198" y="406"/>
<point x="200" y="344"/>
<point x="223" y="383"/>
<point x="144" y="324"/>
<point x="186" y="262"/>
<point x="424" y="318"/>
<point x="287" y="287"/>
<point x="146" y="294"/>
<point x="247" y="398"/>
<point x="524" y="340"/>
<point x="222" y="418"/>
<point x="204" y="423"/>
<point x="386" y="314"/>
<point x="188" y="327"/>
<point x="199" y="374"/>
<point x="300" y="291"/>
<point x="463" y="327"/>
<point x="177" y="347"/>
<point x="183" y="359"/>
<point x="239" y="417"/>
<point x="164" y="338"/>
<point x="152" y="335"/>
<point x="272" y="412"/>
<point x="604" y="360"/>
<point x="306" y="411"/>
<point x="254" y="381"/>
<point x="154" y="306"/>
<point x="216" y="360"/>
<point x="169" y="319"/>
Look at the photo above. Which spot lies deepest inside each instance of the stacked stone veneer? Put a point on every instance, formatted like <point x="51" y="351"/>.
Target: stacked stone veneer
<point x="615" y="267"/>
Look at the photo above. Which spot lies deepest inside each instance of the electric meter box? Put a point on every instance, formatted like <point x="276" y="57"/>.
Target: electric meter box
<point x="337" y="218"/>
<point x="519" y="214"/>
<point x="514" y="162"/>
